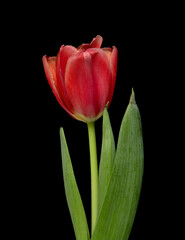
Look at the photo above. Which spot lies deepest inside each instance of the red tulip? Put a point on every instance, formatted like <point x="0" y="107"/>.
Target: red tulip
<point x="83" y="79"/>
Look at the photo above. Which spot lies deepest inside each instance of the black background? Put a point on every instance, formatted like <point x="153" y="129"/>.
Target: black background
<point x="36" y="204"/>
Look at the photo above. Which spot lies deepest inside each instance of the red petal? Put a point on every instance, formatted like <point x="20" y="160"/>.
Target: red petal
<point x="96" y="43"/>
<point x="65" y="53"/>
<point x="113" y="65"/>
<point x="62" y="58"/>
<point x="108" y="52"/>
<point x="112" y="54"/>
<point x="88" y="82"/>
<point x="50" y="71"/>
<point x="83" y="47"/>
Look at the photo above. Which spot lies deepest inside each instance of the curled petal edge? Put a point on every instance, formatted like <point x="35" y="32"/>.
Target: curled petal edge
<point x="50" y="71"/>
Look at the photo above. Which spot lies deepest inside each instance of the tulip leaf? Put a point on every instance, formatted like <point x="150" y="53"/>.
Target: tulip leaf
<point x="72" y="194"/>
<point x="119" y="207"/>
<point x="106" y="159"/>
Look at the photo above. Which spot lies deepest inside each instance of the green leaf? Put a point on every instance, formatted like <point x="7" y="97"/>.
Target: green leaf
<point x="72" y="194"/>
<point x="120" y="204"/>
<point x="106" y="159"/>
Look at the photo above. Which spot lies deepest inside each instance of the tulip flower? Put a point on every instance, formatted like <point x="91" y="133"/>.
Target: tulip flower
<point x="83" y="79"/>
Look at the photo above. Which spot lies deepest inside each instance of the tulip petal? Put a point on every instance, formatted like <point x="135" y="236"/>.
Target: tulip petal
<point x="88" y="81"/>
<point x="65" y="53"/>
<point x="95" y="43"/>
<point x="62" y="58"/>
<point x="108" y="52"/>
<point x="112" y="55"/>
<point x="50" y="71"/>
<point x="113" y="65"/>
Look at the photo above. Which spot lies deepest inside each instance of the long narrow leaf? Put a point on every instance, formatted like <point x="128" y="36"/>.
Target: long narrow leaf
<point x="120" y="204"/>
<point x="72" y="194"/>
<point x="106" y="159"/>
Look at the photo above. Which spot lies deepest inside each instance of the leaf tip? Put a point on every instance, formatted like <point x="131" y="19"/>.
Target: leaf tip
<point x="106" y="106"/>
<point x="132" y="97"/>
<point x="61" y="132"/>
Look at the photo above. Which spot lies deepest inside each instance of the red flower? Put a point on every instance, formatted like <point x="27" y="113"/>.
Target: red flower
<point x="83" y="79"/>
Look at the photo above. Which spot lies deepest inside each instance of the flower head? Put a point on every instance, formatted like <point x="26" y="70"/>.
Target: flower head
<point x="83" y="79"/>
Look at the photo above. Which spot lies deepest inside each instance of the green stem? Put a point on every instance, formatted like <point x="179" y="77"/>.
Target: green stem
<point x="94" y="174"/>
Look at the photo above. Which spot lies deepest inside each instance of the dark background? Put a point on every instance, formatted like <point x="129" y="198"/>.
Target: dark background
<point x="36" y="205"/>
